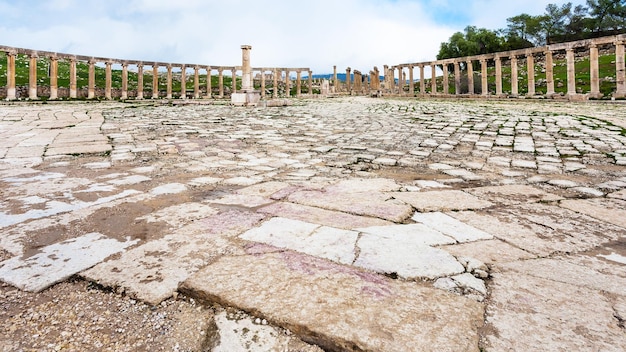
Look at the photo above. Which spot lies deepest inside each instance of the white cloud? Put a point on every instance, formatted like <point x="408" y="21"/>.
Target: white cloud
<point x="316" y="34"/>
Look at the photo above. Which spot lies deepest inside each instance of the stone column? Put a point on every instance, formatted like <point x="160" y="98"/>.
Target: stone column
<point x="433" y="79"/>
<point x="348" y="80"/>
<point x="139" y="81"/>
<point x="73" y="78"/>
<point x="594" y="72"/>
<point x="246" y="74"/>
<point x="124" y="81"/>
<point x="263" y="83"/>
<point x="108" y="82"/>
<point x="220" y="73"/>
<point x="32" y="76"/>
<point x="91" y="89"/>
<point x="470" y="77"/>
<point x="422" y="80"/>
<point x="233" y="85"/>
<point x="287" y="84"/>
<point x="208" y="83"/>
<point x="310" y="82"/>
<point x="620" y="70"/>
<point x="298" y="83"/>
<point x="484" y="87"/>
<point x="571" y="72"/>
<point x="54" y="79"/>
<point x="183" y="82"/>
<point x="196" y="82"/>
<point x="549" y="73"/>
<point x="11" y="75"/>
<point x="530" y="67"/>
<point x="411" y="83"/>
<point x="168" y="83"/>
<point x="275" y="88"/>
<point x="335" y="79"/>
<point x="457" y="78"/>
<point x="155" y="81"/>
<point x="400" y="81"/>
<point x="446" y="82"/>
<point x="498" y="61"/>
<point x="514" y="84"/>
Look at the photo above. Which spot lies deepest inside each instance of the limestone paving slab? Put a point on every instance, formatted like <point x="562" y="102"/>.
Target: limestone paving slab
<point x="441" y="200"/>
<point x="305" y="295"/>
<point x="513" y="194"/>
<point x="542" y="229"/>
<point x="380" y="205"/>
<point x="610" y="210"/>
<point x="321" y="216"/>
<point x="319" y="241"/>
<point x="59" y="261"/>
<point x="451" y="227"/>
<point x="531" y="313"/>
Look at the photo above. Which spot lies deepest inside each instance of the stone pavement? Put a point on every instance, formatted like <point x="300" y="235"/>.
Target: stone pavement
<point x="353" y="223"/>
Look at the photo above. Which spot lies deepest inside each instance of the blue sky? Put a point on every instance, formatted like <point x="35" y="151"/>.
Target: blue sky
<point x="316" y="34"/>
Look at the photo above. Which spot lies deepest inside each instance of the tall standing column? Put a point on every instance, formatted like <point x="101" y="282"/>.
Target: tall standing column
<point x="457" y="78"/>
<point x="620" y="71"/>
<point x="107" y="80"/>
<point x="348" y="80"/>
<point x="54" y="78"/>
<point x="233" y="83"/>
<point x="196" y="82"/>
<point x="549" y="73"/>
<point x="433" y="78"/>
<point x="400" y="80"/>
<point x="155" y="81"/>
<point x="530" y="68"/>
<point x="246" y="70"/>
<point x="335" y="78"/>
<point x="263" y="83"/>
<point x="571" y="72"/>
<point x="275" y="88"/>
<point x="183" y="82"/>
<point x="470" y="77"/>
<point x="498" y="61"/>
<point x="73" y="78"/>
<point x="11" y="75"/>
<point x="411" y="83"/>
<point x="124" y="81"/>
<point x="208" y="83"/>
<point x="220" y="82"/>
<point x="422" y="80"/>
<point x="139" y="81"/>
<point x="287" y="84"/>
<point x="168" y="82"/>
<point x="298" y="83"/>
<point x="32" y="76"/>
<point x="484" y="87"/>
<point x="446" y="82"/>
<point x="514" y="84"/>
<point x="91" y="89"/>
<point x="594" y="74"/>
<point x="310" y="82"/>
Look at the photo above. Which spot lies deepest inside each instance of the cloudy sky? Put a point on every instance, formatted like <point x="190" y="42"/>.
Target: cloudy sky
<point x="302" y="33"/>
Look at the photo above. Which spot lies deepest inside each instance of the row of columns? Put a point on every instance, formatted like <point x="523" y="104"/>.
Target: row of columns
<point x="91" y="88"/>
<point x="513" y="60"/>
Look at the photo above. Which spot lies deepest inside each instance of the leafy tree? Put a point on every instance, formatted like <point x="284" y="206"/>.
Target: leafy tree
<point x="524" y="28"/>
<point x="474" y="41"/>
<point x="607" y="15"/>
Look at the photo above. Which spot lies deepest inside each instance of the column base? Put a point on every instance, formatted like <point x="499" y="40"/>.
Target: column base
<point x="619" y="95"/>
<point x="596" y="95"/>
<point x="250" y="98"/>
<point x="577" y="97"/>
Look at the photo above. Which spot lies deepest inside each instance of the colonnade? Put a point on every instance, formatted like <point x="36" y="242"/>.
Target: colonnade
<point x="159" y="71"/>
<point x="589" y="48"/>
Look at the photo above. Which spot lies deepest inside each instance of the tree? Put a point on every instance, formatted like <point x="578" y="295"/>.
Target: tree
<point x="524" y="29"/>
<point x="474" y="41"/>
<point x="607" y="15"/>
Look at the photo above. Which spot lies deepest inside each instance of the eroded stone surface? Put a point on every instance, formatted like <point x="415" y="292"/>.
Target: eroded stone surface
<point x="441" y="200"/>
<point x="304" y="295"/>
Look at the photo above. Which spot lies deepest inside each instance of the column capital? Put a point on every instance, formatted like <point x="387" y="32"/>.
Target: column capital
<point x="34" y="55"/>
<point x="91" y="61"/>
<point x="569" y="50"/>
<point x="593" y="45"/>
<point x="53" y="58"/>
<point x="246" y="47"/>
<point x="196" y="67"/>
<point x="348" y="69"/>
<point x="208" y="68"/>
<point x="513" y="57"/>
<point x="482" y="60"/>
<point x="619" y="42"/>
